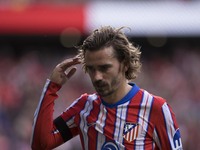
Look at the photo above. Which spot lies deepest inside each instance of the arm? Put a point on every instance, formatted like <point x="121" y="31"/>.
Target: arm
<point x="166" y="133"/>
<point x="45" y="134"/>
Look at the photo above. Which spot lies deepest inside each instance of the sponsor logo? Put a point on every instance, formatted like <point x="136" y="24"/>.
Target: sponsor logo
<point x="110" y="146"/>
<point x="177" y="140"/>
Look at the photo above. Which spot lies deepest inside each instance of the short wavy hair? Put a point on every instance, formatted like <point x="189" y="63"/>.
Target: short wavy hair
<point x="125" y="51"/>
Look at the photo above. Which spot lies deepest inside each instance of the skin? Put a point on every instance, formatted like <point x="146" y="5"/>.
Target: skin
<point x="62" y="73"/>
<point x="106" y="73"/>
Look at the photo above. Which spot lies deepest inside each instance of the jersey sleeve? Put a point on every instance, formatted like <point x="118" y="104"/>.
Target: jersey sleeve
<point x="45" y="134"/>
<point x="68" y="121"/>
<point x="166" y="132"/>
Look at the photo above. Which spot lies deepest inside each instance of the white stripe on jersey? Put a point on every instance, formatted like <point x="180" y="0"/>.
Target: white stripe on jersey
<point x="119" y="124"/>
<point x="156" y="138"/>
<point x="38" y="107"/>
<point x="83" y="116"/>
<point x="70" y="123"/>
<point x="100" y="123"/>
<point x="144" y="114"/>
<point x="169" y="124"/>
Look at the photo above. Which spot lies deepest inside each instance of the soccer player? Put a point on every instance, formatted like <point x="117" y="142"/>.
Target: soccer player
<point x="119" y="116"/>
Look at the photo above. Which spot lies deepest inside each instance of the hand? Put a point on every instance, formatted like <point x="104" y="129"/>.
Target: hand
<point x="59" y="74"/>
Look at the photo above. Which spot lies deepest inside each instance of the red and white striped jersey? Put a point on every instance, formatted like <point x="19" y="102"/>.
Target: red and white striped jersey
<point x="139" y="121"/>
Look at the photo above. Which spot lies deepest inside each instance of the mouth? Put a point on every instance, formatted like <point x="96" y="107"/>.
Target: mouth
<point x="100" y="87"/>
<point x="99" y="84"/>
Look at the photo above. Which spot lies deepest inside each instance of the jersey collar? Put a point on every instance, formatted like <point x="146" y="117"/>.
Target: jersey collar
<point x="126" y="98"/>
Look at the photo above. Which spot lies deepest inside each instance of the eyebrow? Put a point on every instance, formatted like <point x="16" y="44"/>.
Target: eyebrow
<point x="103" y="65"/>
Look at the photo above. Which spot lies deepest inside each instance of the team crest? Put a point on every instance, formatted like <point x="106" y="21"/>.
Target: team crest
<point x="131" y="131"/>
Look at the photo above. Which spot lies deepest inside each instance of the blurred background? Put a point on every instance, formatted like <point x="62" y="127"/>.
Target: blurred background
<point x="35" y="35"/>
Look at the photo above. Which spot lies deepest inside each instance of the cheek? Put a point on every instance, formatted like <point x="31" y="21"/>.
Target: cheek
<point x="115" y="83"/>
<point x="114" y="75"/>
<point x="116" y="78"/>
<point x="91" y="77"/>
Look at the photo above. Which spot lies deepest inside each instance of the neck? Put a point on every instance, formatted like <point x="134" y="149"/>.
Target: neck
<point x="118" y="94"/>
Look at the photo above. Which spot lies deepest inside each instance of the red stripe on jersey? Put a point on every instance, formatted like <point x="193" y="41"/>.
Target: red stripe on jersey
<point x="110" y="123"/>
<point x="91" y="119"/>
<point x="78" y="105"/>
<point x="173" y="117"/>
<point x="159" y="122"/>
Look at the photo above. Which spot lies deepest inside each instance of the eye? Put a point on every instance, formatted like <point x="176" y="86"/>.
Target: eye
<point x="104" y="68"/>
<point x="89" y="69"/>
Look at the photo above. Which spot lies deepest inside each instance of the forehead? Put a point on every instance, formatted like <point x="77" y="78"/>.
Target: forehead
<point x="101" y="56"/>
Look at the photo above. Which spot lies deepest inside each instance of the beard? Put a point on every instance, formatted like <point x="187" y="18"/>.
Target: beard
<point x="105" y="89"/>
<point x="101" y="88"/>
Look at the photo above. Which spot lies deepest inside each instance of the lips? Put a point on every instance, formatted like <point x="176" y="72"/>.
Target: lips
<point x="100" y="87"/>
<point x="100" y="84"/>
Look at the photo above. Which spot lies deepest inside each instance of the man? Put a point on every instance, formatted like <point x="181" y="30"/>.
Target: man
<point x="119" y="115"/>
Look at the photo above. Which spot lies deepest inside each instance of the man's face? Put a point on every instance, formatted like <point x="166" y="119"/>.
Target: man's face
<point x="105" y="71"/>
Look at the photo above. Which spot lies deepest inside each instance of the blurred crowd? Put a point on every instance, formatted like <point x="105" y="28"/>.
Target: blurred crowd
<point x="175" y="78"/>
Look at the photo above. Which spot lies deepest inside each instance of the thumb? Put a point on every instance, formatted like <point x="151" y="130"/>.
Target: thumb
<point x="70" y="72"/>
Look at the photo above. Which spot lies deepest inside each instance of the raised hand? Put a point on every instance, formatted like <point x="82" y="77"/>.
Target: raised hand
<point x="64" y="70"/>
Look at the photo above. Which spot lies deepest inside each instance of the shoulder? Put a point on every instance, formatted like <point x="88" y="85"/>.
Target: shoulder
<point x="157" y="101"/>
<point x="160" y="107"/>
<point x="80" y="103"/>
<point x="87" y="97"/>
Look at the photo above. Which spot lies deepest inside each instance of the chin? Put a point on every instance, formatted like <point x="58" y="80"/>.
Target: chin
<point x="105" y="94"/>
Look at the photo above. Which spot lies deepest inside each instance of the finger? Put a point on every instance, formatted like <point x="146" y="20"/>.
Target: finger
<point x="71" y="72"/>
<point x="69" y="62"/>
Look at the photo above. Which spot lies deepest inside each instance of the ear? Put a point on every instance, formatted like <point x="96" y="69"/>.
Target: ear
<point x="125" y="66"/>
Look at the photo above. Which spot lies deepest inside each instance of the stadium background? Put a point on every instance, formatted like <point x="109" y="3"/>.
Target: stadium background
<point x="36" y="35"/>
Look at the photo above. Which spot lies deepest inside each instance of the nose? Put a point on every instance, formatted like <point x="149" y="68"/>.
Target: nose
<point x="97" y="76"/>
